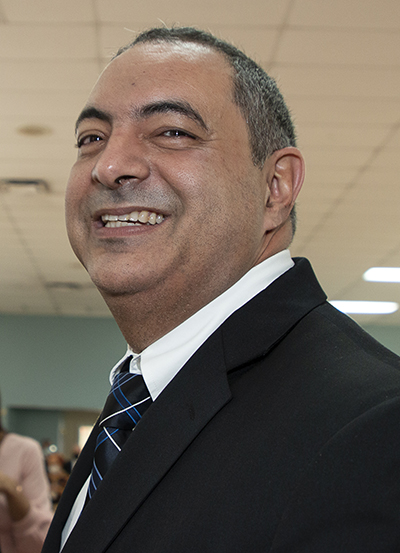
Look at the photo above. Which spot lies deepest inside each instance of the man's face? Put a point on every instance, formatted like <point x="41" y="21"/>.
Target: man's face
<point x="161" y="140"/>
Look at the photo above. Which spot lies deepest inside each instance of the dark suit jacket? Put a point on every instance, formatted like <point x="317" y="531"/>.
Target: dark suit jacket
<point x="281" y="434"/>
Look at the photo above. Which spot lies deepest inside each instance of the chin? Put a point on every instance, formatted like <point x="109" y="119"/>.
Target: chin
<point x="113" y="287"/>
<point x="114" y="283"/>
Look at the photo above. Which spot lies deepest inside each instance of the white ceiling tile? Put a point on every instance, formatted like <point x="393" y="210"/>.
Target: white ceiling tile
<point x="394" y="142"/>
<point x="342" y="46"/>
<point x="47" y="11"/>
<point x="47" y="42"/>
<point x="335" y="81"/>
<point x="26" y="301"/>
<point x="192" y="12"/>
<point x="23" y="74"/>
<point x="331" y="157"/>
<point x="387" y="158"/>
<point x="54" y="171"/>
<point x="333" y="110"/>
<point x="317" y="176"/>
<point x="36" y="148"/>
<point x="3" y="19"/>
<point x="20" y="271"/>
<point x="85" y="302"/>
<point x="365" y="14"/>
<point x="41" y="104"/>
<point x="341" y="136"/>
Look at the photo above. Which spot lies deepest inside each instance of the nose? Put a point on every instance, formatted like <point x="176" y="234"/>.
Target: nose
<point x="121" y="160"/>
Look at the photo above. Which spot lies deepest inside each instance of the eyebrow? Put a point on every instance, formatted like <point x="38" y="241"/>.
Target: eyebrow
<point x="92" y="113"/>
<point x="146" y="111"/>
<point x="171" y="106"/>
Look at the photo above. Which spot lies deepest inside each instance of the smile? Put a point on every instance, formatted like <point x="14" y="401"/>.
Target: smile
<point x="135" y="218"/>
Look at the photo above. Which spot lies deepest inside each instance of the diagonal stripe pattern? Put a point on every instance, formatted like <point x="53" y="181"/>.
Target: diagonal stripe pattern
<point x="127" y="401"/>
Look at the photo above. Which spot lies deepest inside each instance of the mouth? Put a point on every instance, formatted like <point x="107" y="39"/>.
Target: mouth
<point x="134" y="218"/>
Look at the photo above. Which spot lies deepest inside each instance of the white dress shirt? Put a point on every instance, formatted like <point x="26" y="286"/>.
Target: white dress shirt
<point x="163" y="359"/>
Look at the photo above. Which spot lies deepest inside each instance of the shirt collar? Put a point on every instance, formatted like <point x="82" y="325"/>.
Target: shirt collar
<point x="163" y="359"/>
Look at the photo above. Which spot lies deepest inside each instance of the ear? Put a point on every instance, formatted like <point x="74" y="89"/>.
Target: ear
<point x="285" y="176"/>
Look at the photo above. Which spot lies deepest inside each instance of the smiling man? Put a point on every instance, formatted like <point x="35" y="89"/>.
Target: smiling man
<point x="266" y="416"/>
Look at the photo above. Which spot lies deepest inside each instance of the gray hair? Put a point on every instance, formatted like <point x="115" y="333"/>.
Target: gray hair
<point x="267" y="116"/>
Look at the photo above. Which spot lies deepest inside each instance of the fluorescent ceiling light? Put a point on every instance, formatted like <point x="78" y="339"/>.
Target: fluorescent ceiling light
<point x="366" y="307"/>
<point x="382" y="274"/>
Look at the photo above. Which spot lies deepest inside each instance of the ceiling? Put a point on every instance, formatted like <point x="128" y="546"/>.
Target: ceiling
<point x="338" y="65"/>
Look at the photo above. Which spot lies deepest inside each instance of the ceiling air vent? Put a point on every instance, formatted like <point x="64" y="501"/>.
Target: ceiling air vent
<point x="24" y="185"/>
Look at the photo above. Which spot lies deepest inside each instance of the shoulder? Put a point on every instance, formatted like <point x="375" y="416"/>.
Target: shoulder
<point x="344" y="340"/>
<point x="21" y="445"/>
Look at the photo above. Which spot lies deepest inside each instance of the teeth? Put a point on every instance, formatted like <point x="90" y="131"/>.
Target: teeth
<point x="144" y="217"/>
<point x="130" y="219"/>
<point x="117" y="224"/>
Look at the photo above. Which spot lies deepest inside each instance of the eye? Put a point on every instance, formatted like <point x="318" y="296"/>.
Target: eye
<point x="177" y="133"/>
<point x="87" y="139"/>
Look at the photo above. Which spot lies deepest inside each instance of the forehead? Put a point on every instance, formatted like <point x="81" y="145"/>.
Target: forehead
<point x="153" y="71"/>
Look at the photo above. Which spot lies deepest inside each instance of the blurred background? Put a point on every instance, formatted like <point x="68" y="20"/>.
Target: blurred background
<point x="338" y="66"/>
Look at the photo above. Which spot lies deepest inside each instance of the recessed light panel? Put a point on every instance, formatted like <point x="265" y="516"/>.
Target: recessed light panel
<point x="382" y="274"/>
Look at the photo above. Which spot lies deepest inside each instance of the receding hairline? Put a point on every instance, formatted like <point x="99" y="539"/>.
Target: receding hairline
<point x="185" y="43"/>
<point x="182" y="44"/>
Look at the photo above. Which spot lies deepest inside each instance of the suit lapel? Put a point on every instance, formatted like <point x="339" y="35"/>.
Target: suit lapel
<point x="187" y="404"/>
<point x="75" y="482"/>
<point x="170" y="424"/>
<point x="252" y="331"/>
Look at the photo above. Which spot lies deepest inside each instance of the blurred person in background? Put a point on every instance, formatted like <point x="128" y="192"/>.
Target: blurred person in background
<point x="69" y="465"/>
<point x="57" y="475"/>
<point x="25" y="506"/>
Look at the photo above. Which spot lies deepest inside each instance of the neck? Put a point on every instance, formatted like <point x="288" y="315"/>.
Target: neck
<point x="143" y="318"/>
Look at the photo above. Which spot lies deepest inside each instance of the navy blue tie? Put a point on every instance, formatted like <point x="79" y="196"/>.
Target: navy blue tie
<point x="127" y="401"/>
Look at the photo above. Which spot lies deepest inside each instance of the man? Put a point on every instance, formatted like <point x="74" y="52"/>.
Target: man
<point x="274" y="420"/>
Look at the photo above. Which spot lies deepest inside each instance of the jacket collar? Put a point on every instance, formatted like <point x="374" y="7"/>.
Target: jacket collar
<point x="167" y="428"/>
<point x="187" y="404"/>
<point x="265" y="320"/>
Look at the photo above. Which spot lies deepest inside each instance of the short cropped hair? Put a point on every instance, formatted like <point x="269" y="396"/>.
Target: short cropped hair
<point x="257" y="95"/>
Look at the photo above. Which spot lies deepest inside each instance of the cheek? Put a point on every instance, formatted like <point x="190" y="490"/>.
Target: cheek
<point x="75" y="194"/>
<point x="70" y="191"/>
<point x="70" y="209"/>
<point x="73" y="213"/>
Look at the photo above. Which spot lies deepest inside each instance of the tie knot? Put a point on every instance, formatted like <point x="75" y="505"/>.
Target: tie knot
<point x="126" y="402"/>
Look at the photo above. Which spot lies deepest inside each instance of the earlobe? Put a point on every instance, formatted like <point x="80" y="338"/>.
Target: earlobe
<point x="285" y="178"/>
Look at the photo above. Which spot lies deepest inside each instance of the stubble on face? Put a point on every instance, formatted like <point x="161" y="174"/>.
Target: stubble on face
<point x="207" y="185"/>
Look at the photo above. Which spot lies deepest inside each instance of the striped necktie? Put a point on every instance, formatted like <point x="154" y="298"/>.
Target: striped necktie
<point x="127" y="401"/>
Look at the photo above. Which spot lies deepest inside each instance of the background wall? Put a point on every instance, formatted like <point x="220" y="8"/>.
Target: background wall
<point x="63" y="362"/>
<point x="56" y="368"/>
<point x="57" y="362"/>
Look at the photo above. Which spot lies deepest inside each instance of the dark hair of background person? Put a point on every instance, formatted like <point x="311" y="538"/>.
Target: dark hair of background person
<point x="256" y="94"/>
